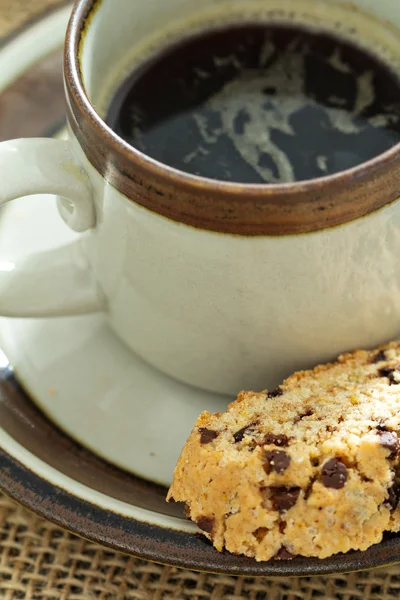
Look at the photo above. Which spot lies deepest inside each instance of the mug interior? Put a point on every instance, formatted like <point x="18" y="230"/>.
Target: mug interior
<point x="120" y="34"/>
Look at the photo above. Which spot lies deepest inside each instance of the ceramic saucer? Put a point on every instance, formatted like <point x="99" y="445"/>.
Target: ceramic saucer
<point x="89" y="434"/>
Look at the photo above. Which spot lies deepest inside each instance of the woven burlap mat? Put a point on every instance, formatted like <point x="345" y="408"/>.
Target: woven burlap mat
<point x="13" y="13"/>
<point x="39" y="561"/>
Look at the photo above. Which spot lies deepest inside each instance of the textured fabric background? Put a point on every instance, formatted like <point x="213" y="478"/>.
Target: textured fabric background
<point x="39" y="561"/>
<point x="14" y="12"/>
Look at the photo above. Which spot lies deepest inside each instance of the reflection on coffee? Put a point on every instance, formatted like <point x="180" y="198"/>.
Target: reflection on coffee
<point x="259" y="104"/>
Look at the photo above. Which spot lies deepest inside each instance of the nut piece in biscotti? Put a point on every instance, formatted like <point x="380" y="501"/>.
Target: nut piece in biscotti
<point x="312" y="468"/>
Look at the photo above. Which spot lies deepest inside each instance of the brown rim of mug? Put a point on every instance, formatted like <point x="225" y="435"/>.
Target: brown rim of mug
<point x="242" y="209"/>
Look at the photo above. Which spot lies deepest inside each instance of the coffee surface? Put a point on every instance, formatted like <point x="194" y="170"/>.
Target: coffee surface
<point x="260" y="104"/>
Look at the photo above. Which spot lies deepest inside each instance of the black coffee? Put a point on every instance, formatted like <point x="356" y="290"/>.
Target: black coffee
<point x="258" y="104"/>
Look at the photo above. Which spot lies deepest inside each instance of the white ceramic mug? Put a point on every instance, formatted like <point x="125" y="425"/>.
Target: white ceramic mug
<point x="223" y="286"/>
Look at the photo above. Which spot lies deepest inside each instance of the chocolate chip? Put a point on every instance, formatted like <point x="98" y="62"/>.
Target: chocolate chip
<point x="308" y="490"/>
<point x="385" y="371"/>
<point x="283" y="554"/>
<point x="260" y="533"/>
<point x="207" y="435"/>
<point x="275" y="393"/>
<point x="276" y="460"/>
<point x="283" y="498"/>
<point x="239" y="435"/>
<point x="389" y="440"/>
<point x="171" y="499"/>
<point x="382" y="426"/>
<point x="378" y="357"/>
<point x="334" y="474"/>
<point x="394" y="495"/>
<point x="392" y="373"/>
<point x="206" y="524"/>
<point x="307" y="413"/>
<point x="275" y="440"/>
<point x="282" y="526"/>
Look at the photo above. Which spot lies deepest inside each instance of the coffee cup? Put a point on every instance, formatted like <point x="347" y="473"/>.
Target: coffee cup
<point x="223" y="285"/>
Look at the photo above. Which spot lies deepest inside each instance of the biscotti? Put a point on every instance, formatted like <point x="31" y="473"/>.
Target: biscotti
<point x="311" y="468"/>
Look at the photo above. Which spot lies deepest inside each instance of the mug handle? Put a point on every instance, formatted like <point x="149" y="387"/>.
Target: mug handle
<point x="57" y="282"/>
